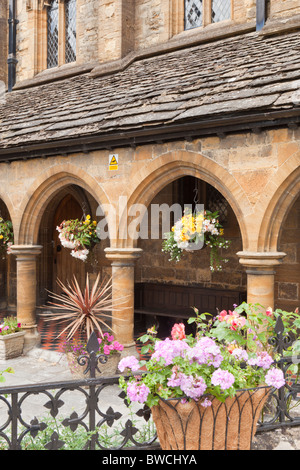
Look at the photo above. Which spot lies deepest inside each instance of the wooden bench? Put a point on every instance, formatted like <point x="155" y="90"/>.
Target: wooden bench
<point x="177" y="302"/>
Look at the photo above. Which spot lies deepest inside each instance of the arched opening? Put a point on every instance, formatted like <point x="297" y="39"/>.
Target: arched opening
<point x="56" y="262"/>
<point x="7" y="271"/>
<point x="166" y="291"/>
<point x="287" y="278"/>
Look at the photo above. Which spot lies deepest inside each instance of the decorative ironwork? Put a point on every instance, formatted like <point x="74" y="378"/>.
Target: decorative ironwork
<point x="220" y="10"/>
<point x="102" y="409"/>
<point x="52" y="35"/>
<point x="278" y="413"/>
<point x="193" y="13"/>
<point x="70" y="25"/>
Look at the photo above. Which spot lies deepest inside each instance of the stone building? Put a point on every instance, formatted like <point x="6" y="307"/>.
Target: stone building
<point x="191" y="97"/>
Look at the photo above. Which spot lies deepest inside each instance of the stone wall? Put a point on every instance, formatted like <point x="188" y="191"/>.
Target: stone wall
<point x="107" y="30"/>
<point x="283" y="8"/>
<point x="250" y="170"/>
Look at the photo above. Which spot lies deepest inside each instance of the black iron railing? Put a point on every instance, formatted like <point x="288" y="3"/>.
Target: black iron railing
<point x="95" y="410"/>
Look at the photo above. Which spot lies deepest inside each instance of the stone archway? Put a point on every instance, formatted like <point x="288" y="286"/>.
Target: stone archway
<point x="281" y="200"/>
<point x="7" y="269"/>
<point x="45" y="189"/>
<point x="148" y="181"/>
<point x="279" y="233"/>
<point x="169" y="167"/>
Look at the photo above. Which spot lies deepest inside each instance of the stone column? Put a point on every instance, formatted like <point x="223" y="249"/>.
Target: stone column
<point x="260" y="269"/>
<point x="123" y="260"/>
<point x="26" y="291"/>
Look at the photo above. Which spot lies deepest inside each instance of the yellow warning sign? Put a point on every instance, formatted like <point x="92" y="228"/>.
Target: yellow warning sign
<point x="113" y="161"/>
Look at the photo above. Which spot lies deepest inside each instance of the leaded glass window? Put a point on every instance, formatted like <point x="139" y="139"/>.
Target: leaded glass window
<point x="220" y="10"/>
<point x="70" y="24"/>
<point x="193" y="13"/>
<point x="52" y="35"/>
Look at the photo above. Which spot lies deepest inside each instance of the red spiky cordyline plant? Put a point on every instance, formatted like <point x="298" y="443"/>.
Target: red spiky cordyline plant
<point x="84" y="311"/>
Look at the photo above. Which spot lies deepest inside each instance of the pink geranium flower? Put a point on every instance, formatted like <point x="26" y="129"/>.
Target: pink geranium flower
<point x="178" y="331"/>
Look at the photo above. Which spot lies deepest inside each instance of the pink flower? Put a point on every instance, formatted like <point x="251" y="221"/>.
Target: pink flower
<point x="178" y="331"/>
<point x="109" y="337"/>
<point x="131" y="362"/>
<point x="205" y="403"/>
<point x="223" y="378"/>
<point x="117" y="346"/>
<point x="222" y="316"/>
<point x="275" y="378"/>
<point x="269" y="312"/>
<point x="137" y="392"/>
<point x="106" y="349"/>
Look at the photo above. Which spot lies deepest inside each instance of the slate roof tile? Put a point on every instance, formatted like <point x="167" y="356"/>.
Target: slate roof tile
<point x="223" y="78"/>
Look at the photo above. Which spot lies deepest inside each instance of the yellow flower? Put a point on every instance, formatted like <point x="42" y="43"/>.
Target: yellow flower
<point x="94" y="222"/>
<point x="88" y="217"/>
<point x="1" y="236"/>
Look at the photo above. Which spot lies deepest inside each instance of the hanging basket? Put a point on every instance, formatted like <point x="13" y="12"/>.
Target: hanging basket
<point x="222" y="426"/>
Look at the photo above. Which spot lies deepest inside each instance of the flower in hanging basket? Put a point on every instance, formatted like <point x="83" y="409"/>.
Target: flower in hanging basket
<point x="6" y="235"/>
<point x="192" y="232"/>
<point x="79" y="236"/>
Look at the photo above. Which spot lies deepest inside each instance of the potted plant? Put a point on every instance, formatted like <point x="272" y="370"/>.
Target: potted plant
<point x="11" y="338"/>
<point x="6" y="235"/>
<point x="204" y="390"/>
<point x="192" y="232"/>
<point x="85" y="312"/>
<point x="78" y="235"/>
<point x="76" y="351"/>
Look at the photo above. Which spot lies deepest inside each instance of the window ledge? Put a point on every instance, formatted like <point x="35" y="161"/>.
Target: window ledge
<point x="188" y="38"/>
<point x="180" y="41"/>
<point x="281" y="25"/>
<point x="55" y="73"/>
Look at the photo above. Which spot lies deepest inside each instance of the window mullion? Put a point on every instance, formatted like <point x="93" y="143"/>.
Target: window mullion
<point x="61" y="33"/>
<point x="206" y="12"/>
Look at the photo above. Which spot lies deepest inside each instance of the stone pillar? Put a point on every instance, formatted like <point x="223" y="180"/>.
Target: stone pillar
<point x="26" y="291"/>
<point x="260" y="269"/>
<point x="123" y="260"/>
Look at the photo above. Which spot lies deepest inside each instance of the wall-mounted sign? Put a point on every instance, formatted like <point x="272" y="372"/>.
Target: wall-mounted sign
<point x="113" y="161"/>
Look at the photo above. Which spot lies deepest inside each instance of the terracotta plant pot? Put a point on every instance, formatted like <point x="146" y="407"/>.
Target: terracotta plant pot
<point x="11" y="345"/>
<point x="107" y="369"/>
<point x="222" y="426"/>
